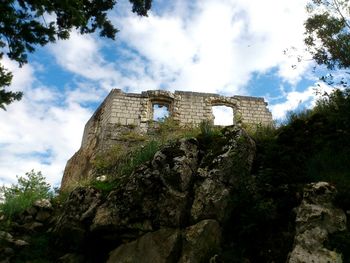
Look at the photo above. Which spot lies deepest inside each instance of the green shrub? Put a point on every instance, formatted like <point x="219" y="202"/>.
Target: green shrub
<point x="330" y="165"/>
<point x="208" y="129"/>
<point x="300" y="115"/>
<point x="262" y="133"/>
<point x="167" y="125"/>
<point x="18" y="197"/>
<point x="120" y="160"/>
<point x="312" y="145"/>
<point x="133" y="136"/>
<point x="139" y="156"/>
<point x="106" y="161"/>
<point x="37" y="251"/>
<point x="169" y="129"/>
<point x="105" y="186"/>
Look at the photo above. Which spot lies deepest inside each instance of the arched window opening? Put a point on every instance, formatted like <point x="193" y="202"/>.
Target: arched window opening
<point x="160" y="112"/>
<point x="223" y="115"/>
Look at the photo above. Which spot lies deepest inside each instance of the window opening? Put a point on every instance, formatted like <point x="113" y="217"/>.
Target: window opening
<point x="223" y="115"/>
<point x="160" y="112"/>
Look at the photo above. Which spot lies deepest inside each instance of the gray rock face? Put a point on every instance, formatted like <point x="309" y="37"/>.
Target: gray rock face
<point x="169" y="209"/>
<point x="201" y="242"/>
<point x="153" y="196"/>
<point x="194" y="244"/>
<point x="71" y="258"/>
<point x="36" y="219"/>
<point x="213" y="191"/>
<point x="316" y="219"/>
<point x="211" y="200"/>
<point x="161" y="246"/>
<point x="72" y="224"/>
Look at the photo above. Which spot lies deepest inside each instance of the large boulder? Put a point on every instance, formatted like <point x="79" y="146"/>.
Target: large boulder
<point x="162" y="246"/>
<point x="183" y="193"/>
<point x="316" y="219"/>
<point x="195" y="244"/>
<point x="232" y="161"/>
<point x="73" y="223"/>
<point x="201" y="242"/>
<point x="211" y="200"/>
<point x="156" y="195"/>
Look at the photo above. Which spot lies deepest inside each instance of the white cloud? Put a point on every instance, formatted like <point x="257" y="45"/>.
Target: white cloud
<point x="220" y="44"/>
<point x="36" y="133"/>
<point x="295" y="99"/>
<point x="202" y="45"/>
<point x="23" y="75"/>
<point x="206" y="45"/>
<point x="80" y="54"/>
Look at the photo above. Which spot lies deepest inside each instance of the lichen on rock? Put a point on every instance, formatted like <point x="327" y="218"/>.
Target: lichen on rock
<point x="170" y="207"/>
<point x="316" y="219"/>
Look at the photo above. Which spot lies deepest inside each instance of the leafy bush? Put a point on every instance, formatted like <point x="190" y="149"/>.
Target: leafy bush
<point x="22" y="195"/>
<point x="120" y="160"/>
<point x="133" y="136"/>
<point x="139" y="156"/>
<point x="106" y="162"/>
<point x="262" y="133"/>
<point x="105" y="186"/>
<point x="312" y="145"/>
<point x="37" y="251"/>
<point x="336" y="105"/>
<point x="169" y="129"/>
<point x="167" y="125"/>
<point x="208" y="129"/>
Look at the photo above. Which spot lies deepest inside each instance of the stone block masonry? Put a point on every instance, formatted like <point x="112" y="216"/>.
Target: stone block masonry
<point x="122" y="113"/>
<point x="188" y="108"/>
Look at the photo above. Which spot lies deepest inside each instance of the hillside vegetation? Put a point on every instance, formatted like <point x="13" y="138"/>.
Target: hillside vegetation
<point x="259" y="218"/>
<point x="312" y="146"/>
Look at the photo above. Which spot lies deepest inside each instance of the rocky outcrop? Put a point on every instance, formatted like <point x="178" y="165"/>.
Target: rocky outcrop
<point x="194" y="201"/>
<point x="35" y="220"/>
<point x="193" y="244"/>
<point x="154" y="247"/>
<point x="158" y="193"/>
<point x="218" y="172"/>
<point x="168" y="210"/>
<point x="79" y="166"/>
<point x="316" y="219"/>
<point x="201" y="242"/>
<point x="98" y="138"/>
<point x="75" y="217"/>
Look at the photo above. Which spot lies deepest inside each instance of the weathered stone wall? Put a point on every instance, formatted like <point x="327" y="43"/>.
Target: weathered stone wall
<point x="253" y="110"/>
<point x="123" y="113"/>
<point x="188" y="108"/>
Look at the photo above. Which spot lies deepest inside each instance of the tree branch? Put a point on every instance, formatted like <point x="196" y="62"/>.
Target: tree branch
<point x="340" y="13"/>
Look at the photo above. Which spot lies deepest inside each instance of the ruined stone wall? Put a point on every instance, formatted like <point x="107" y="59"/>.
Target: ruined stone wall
<point x="128" y="113"/>
<point x="253" y="110"/>
<point x="188" y="108"/>
<point x="193" y="108"/>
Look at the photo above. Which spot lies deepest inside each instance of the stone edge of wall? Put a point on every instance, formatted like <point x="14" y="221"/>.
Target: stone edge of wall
<point x="252" y="110"/>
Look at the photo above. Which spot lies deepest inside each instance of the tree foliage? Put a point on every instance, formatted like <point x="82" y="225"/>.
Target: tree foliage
<point x="20" y="196"/>
<point x="25" y="24"/>
<point x="312" y="146"/>
<point x="328" y="32"/>
<point x="7" y="97"/>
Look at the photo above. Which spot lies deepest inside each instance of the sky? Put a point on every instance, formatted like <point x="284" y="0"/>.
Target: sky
<point x="229" y="47"/>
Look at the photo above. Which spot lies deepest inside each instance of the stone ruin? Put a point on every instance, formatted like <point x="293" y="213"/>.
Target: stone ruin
<point x="187" y="108"/>
<point x="122" y="110"/>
